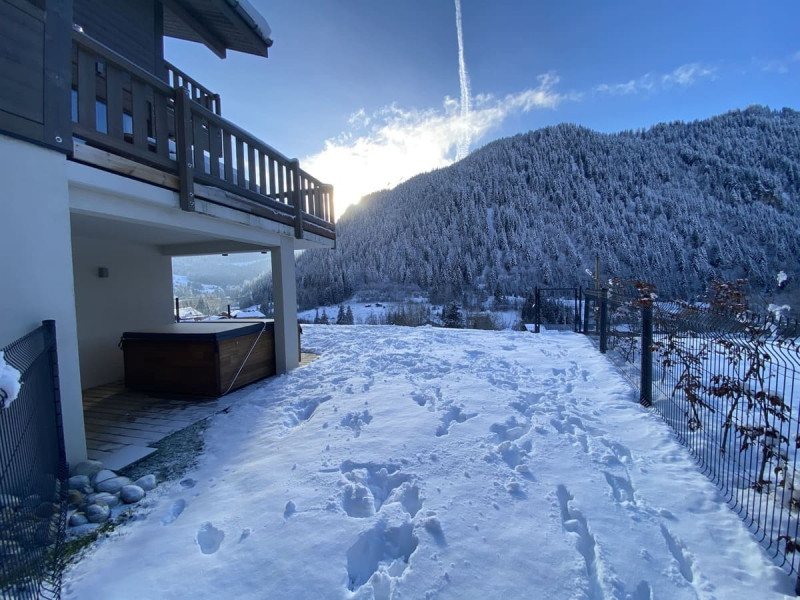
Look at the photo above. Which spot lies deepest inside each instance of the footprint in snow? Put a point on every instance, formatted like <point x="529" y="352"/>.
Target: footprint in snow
<point x="371" y="485"/>
<point x="209" y="538"/>
<point x="383" y="551"/>
<point x="682" y="557"/>
<point x="174" y="511"/>
<point x="356" y="420"/>
<point x="454" y="414"/>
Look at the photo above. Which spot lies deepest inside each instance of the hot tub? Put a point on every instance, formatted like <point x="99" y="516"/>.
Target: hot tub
<point x="199" y="359"/>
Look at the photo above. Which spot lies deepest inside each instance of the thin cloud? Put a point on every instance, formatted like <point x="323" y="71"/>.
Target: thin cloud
<point x="634" y="86"/>
<point x="686" y="75"/>
<point x="384" y="149"/>
<point x="780" y="65"/>
<point x="683" y="76"/>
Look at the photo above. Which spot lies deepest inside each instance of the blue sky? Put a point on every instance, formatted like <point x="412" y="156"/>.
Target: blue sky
<point x="368" y="92"/>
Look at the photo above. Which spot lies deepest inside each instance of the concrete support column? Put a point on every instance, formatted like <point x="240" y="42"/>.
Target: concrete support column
<point x="36" y="267"/>
<point x="284" y="293"/>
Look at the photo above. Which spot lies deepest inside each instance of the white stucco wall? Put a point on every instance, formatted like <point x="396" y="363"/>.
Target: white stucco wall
<point x="284" y="292"/>
<point x="36" y="266"/>
<point x="136" y="294"/>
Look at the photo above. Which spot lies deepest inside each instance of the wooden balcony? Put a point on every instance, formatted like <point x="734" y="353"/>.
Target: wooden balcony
<point x="172" y="131"/>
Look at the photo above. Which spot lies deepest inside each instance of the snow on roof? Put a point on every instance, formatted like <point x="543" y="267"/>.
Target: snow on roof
<point x="249" y="314"/>
<point x="253" y="18"/>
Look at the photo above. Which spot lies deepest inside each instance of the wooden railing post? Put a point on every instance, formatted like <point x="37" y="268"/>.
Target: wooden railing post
<point x="297" y="195"/>
<point x="329" y="190"/>
<point x="183" y="148"/>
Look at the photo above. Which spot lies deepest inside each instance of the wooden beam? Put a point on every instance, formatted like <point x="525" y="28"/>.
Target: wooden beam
<point x="209" y="39"/>
<point x="112" y="162"/>
<point x="58" y="75"/>
<point x="183" y="147"/>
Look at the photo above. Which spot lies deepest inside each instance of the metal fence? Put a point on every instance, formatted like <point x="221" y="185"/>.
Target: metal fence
<point x="727" y="382"/>
<point x="33" y="473"/>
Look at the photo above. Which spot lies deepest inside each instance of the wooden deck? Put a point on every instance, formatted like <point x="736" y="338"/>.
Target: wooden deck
<point x="122" y="425"/>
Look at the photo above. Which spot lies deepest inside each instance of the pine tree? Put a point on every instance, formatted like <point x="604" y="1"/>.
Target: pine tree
<point x="340" y="318"/>
<point x="349" y="316"/>
<point x="451" y="316"/>
<point x="324" y="318"/>
<point x="316" y="317"/>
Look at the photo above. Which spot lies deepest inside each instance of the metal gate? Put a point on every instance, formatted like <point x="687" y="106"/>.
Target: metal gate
<point x="558" y="308"/>
<point x="33" y="472"/>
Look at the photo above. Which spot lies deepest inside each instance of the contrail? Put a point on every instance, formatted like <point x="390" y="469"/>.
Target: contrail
<point x="463" y="144"/>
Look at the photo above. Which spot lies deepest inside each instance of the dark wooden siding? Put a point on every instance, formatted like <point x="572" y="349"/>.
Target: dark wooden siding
<point x="126" y="26"/>
<point x="22" y="67"/>
<point x="34" y="66"/>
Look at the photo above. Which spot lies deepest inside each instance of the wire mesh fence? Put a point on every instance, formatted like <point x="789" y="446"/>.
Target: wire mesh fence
<point x="726" y="381"/>
<point x="33" y="473"/>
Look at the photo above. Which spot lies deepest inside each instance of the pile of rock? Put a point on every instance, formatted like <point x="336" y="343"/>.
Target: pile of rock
<point x="27" y="526"/>
<point x="94" y="492"/>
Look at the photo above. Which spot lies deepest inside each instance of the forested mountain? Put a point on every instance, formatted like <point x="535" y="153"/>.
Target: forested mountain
<point x="677" y="204"/>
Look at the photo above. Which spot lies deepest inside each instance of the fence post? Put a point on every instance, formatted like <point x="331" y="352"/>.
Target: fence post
<point x="603" y="321"/>
<point x="177" y="310"/>
<point x="50" y="340"/>
<point x="646" y="387"/>
<point x="586" y="312"/>
<point x="537" y="312"/>
<point x="183" y="148"/>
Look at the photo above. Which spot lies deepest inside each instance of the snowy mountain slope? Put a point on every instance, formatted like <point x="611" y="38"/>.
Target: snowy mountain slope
<point x="678" y="204"/>
<point x="411" y="463"/>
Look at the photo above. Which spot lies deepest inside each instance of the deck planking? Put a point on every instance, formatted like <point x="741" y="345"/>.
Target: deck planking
<point x="122" y="426"/>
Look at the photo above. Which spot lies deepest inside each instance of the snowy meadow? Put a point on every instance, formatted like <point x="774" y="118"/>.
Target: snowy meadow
<point x="426" y="463"/>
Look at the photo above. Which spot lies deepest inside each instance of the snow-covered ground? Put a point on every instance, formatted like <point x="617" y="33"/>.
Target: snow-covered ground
<point x="372" y="312"/>
<point x="431" y="463"/>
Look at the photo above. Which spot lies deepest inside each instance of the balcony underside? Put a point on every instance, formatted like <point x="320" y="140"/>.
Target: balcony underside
<point x="129" y="122"/>
<point x="119" y="165"/>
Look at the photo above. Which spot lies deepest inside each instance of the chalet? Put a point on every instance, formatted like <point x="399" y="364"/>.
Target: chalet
<point x="113" y="161"/>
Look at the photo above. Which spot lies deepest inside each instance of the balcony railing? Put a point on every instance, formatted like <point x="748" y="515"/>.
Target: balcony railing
<point x="177" y="128"/>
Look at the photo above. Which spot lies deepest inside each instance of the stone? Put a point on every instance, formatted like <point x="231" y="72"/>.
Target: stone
<point x="105" y="498"/>
<point x="131" y="494"/>
<point x="9" y="501"/>
<point x="102" y="475"/>
<point x="46" y="510"/>
<point x="74" y="498"/>
<point x="77" y="519"/>
<point x="98" y="513"/>
<point x="9" y="548"/>
<point x="147" y="483"/>
<point x="87" y="467"/>
<point x="45" y="533"/>
<point x="112" y="485"/>
<point x="80" y="483"/>
<point x="32" y="501"/>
